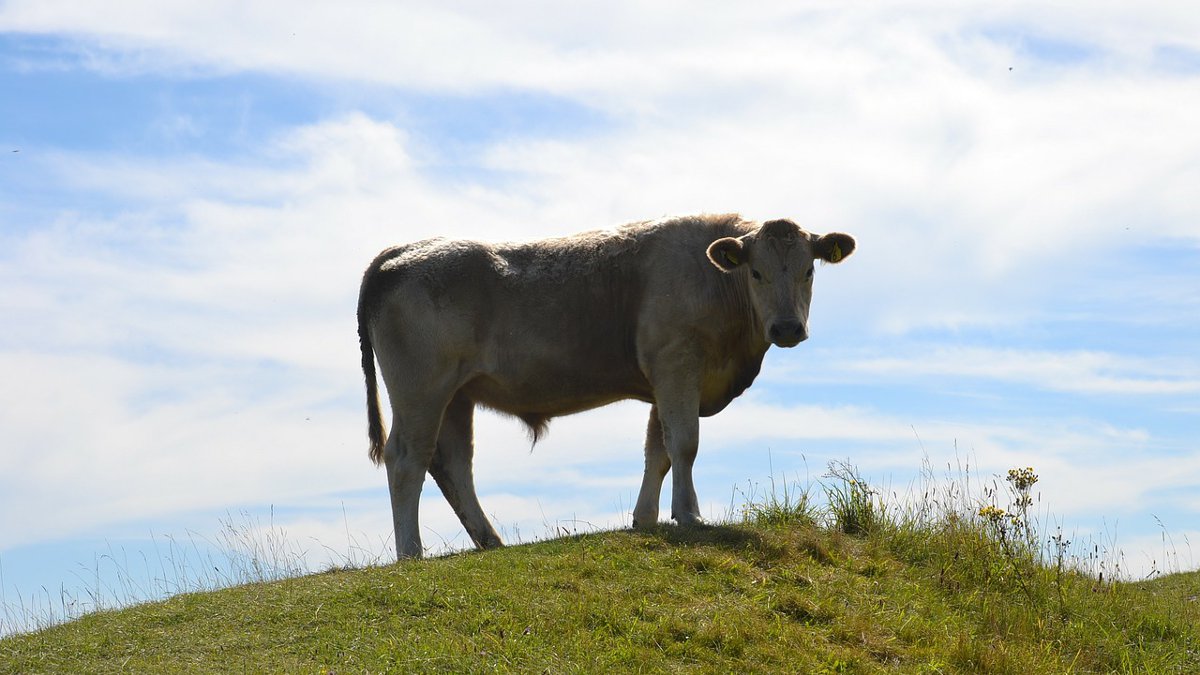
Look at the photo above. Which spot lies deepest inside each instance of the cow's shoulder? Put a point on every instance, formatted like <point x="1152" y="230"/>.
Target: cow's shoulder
<point x="678" y="246"/>
<point x="684" y="283"/>
<point x="687" y="229"/>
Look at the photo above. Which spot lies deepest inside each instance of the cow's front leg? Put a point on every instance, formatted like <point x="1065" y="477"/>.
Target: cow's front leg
<point x="678" y="403"/>
<point x="645" y="514"/>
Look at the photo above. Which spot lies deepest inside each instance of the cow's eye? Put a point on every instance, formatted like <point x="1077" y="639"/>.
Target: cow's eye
<point x="809" y="273"/>
<point x="756" y="275"/>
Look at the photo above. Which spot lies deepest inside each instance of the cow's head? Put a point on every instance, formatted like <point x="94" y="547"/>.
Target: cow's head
<point x="777" y="260"/>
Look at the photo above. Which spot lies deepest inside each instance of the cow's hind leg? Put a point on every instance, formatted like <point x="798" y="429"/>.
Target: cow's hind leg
<point x="451" y="468"/>
<point x="645" y="514"/>
<point x="407" y="455"/>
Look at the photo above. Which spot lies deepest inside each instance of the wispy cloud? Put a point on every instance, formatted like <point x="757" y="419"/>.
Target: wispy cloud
<point x="1083" y="372"/>
<point x="477" y="44"/>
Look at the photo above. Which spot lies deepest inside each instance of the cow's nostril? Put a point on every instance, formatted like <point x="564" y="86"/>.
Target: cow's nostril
<point x="787" y="333"/>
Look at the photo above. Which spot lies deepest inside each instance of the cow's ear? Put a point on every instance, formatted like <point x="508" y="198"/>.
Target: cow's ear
<point x="727" y="253"/>
<point x="833" y="247"/>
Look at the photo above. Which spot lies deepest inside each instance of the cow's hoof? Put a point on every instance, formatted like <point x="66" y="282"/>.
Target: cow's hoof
<point x="644" y="523"/>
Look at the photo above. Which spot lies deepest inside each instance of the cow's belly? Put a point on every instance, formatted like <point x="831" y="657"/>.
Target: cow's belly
<point x="554" y="392"/>
<point x="549" y="377"/>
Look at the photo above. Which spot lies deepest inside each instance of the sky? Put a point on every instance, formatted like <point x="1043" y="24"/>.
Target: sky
<point x="189" y="192"/>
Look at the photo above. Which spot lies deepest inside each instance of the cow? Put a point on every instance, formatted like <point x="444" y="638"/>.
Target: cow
<point x="675" y="312"/>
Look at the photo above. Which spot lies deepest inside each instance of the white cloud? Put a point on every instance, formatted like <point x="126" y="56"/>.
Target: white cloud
<point x="1088" y="466"/>
<point x="597" y="45"/>
<point x="903" y="125"/>
<point x="1073" y="371"/>
<point x="92" y="441"/>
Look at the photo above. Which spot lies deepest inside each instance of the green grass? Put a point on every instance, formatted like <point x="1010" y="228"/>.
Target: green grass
<point x="927" y="588"/>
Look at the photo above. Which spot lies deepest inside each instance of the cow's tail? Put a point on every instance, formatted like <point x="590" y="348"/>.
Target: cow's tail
<point x="374" y="415"/>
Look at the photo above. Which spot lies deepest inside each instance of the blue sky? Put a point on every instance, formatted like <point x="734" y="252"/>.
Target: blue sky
<point x="190" y="191"/>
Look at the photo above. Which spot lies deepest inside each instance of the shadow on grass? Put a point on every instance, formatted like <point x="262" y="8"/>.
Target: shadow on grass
<point x="732" y="538"/>
<point x="726" y="537"/>
<point x="722" y="536"/>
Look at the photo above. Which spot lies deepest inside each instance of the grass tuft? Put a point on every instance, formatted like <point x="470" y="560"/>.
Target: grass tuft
<point x="782" y="505"/>
<point x="855" y="506"/>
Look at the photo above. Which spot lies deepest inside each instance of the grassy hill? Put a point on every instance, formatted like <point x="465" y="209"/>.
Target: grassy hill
<point x="851" y="587"/>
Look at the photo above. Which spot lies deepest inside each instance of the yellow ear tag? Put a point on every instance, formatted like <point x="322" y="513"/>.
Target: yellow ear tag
<point x="731" y="257"/>
<point x="836" y="254"/>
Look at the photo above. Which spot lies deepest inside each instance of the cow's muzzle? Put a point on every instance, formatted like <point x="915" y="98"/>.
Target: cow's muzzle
<point x="787" y="333"/>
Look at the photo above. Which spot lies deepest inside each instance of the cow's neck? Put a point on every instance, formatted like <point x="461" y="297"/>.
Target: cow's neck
<point x="742" y="347"/>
